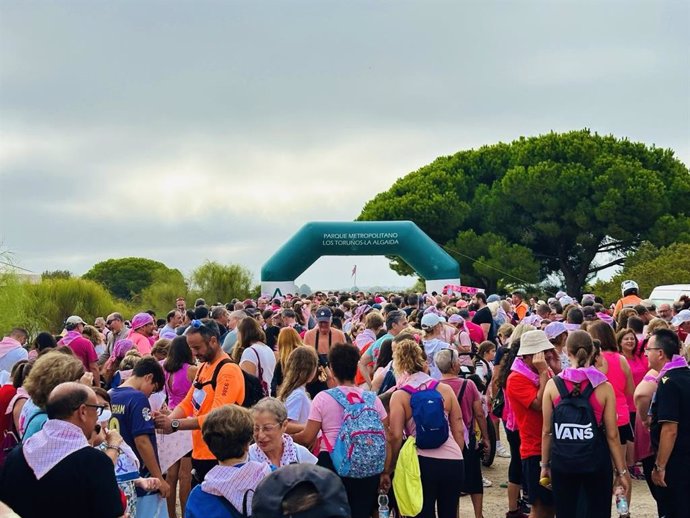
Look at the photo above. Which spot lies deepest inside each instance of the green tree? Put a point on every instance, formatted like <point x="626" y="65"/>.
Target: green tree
<point x="127" y="277"/>
<point x="216" y="282"/>
<point x="56" y="274"/>
<point x="571" y="199"/>
<point x="163" y="292"/>
<point x="492" y="262"/>
<point x="649" y="267"/>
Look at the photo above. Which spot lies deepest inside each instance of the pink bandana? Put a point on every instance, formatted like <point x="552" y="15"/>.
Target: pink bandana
<point x="46" y="448"/>
<point x="140" y="320"/>
<point x="232" y="482"/>
<point x="70" y="337"/>
<point x="364" y="338"/>
<point x="594" y="376"/>
<point x="677" y="362"/>
<point x="119" y="351"/>
<point x="521" y="367"/>
<point x="289" y="453"/>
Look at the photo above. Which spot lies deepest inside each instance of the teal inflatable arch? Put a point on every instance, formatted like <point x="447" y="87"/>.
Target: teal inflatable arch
<point x="317" y="239"/>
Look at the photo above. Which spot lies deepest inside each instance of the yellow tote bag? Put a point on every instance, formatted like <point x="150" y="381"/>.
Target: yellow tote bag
<point x="407" y="482"/>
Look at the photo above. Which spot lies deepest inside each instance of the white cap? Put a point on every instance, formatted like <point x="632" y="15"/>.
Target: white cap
<point x="682" y="317"/>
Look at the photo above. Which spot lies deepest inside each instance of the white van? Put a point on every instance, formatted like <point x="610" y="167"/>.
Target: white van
<point x="669" y="294"/>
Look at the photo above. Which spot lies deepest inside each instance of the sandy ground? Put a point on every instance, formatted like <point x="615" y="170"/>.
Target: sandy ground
<point x="496" y="499"/>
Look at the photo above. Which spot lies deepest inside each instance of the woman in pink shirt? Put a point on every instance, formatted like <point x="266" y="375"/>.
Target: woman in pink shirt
<point x="326" y="417"/>
<point x="633" y="351"/>
<point x="442" y="468"/>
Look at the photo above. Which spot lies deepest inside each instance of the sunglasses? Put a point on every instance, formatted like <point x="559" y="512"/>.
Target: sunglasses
<point x="198" y="324"/>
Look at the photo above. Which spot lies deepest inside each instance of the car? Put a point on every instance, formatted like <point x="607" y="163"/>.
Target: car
<point x="669" y="294"/>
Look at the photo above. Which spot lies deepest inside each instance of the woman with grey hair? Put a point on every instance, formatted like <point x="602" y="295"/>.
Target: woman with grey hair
<point x="272" y="445"/>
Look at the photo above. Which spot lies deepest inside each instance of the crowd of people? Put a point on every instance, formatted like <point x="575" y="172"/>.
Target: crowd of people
<point x="350" y="405"/>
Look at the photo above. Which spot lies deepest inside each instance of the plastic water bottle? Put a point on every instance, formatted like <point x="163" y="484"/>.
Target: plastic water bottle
<point x="384" y="510"/>
<point x="621" y="501"/>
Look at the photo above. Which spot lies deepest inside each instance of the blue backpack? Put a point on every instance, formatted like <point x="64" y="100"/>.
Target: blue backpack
<point x="429" y="415"/>
<point x="360" y="447"/>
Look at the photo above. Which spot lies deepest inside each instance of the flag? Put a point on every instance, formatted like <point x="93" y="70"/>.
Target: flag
<point x="354" y="271"/>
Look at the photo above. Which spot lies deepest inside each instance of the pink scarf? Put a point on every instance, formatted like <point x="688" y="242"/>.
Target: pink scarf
<point x="8" y="344"/>
<point x="232" y="482"/>
<point x="46" y="448"/>
<point x="289" y="453"/>
<point x="364" y="338"/>
<point x="594" y="376"/>
<point x="70" y="337"/>
<point x="521" y="367"/>
<point x="677" y="362"/>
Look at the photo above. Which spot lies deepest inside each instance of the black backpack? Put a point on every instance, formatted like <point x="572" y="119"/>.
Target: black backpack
<point x="578" y="444"/>
<point x="253" y="392"/>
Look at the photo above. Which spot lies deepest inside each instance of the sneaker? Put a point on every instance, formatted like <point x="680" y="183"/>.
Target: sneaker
<point x="524" y="506"/>
<point x="636" y="473"/>
<point x="502" y="452"/>
<point x="486" y="482"/>
<point x="516" y="514"/>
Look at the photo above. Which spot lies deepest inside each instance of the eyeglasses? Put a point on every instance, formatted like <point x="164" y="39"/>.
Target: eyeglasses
<point x="267" y="428"/>
<point x="108" y="322"/>
<point x="653" y="349"/>
<point x="99" y="408"/>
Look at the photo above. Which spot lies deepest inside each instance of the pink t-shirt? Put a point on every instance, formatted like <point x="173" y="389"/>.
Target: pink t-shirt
<point x="142" y="343"/>
<point x="470" y="395"/>
<point x="328" y="412"/>
<point x="476" y="332"/>
<point x="639" y="365"/>
<point x="616" y="378"/>
<point x="84" y="350"/>
<point x="596" y="406"/>
<point x="176" y="385"/>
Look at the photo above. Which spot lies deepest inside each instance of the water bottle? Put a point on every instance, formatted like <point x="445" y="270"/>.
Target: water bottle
<point x="621" y="501"/>
<point x="384" y="511"/>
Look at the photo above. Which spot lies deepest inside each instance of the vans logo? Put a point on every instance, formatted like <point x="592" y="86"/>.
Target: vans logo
<point x="574" y="432"/>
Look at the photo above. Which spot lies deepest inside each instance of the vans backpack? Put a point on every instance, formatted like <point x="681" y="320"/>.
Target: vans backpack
<point x="360" y="447"/>
<point x="578" y="444"/>
<point x="429" y="415"/>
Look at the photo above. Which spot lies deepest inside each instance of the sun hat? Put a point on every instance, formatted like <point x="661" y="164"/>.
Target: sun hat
<point x="140" y="320"/>
<point x="682" y="317"/>
<point x="555" y="329"/>
<point x="533" y="342"/>
<point x="272" y="491"/>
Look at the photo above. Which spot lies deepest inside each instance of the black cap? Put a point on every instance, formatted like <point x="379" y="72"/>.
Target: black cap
<point x="324" y="314"/>
<point x="270" y="493"/>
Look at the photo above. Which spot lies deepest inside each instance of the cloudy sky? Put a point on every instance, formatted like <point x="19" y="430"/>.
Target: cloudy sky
<point x="185" y="131"/>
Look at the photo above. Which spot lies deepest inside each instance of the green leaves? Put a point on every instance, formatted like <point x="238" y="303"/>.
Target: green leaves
<point x="126" y="278"/>
<point x="217" y="282"/>
<point x="567" y="198"/>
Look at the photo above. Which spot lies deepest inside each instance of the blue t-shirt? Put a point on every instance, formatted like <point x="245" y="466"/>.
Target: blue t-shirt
<point x="132" y="418"/>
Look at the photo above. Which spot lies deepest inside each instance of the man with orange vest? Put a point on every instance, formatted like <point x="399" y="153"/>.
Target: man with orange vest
<point x="630" y="298"/>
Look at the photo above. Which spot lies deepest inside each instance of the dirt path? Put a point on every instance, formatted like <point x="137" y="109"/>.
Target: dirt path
<point x="496" y="499"/>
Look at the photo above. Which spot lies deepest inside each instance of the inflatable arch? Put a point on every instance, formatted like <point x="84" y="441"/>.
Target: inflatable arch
<point x="316" y="239"/>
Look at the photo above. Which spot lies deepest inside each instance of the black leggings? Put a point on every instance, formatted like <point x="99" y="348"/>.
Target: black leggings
<point x="595" y="487"/>
<point x="362" y="493"/>
<point x="441" y="482"/>
<point x="515" y="466"/>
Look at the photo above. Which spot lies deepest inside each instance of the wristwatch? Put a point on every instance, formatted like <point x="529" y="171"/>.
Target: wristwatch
<point x="175" y="425"/>
<point x="621" y="472"/>
<point x="659" y="468"/>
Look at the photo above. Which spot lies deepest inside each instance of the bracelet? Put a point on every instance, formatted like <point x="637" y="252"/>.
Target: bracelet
<point x="546" y="464"/>
<point x="620" y="473"/>
<point x="658" y="468"/>
<point x="116" y="448"/>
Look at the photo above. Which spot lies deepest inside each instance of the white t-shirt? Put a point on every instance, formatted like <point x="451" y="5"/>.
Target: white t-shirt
<point x="304" y="456"/>
<point x="267" y="357"/>
<point x="298" y="405"/>
<point x="431" y="347"/>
